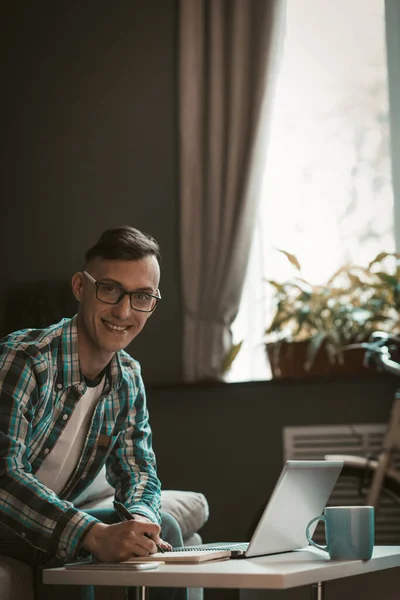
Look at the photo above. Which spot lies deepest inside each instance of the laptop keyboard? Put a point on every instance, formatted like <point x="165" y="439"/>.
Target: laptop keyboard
<point x="233" y="546"/>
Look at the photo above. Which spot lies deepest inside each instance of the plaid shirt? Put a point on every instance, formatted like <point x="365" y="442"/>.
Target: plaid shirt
<point x="40" y="384"/>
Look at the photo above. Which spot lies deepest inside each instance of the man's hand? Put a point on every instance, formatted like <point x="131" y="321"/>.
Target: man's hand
<point x="157" y="540"/>
<point x="118" y="542"/>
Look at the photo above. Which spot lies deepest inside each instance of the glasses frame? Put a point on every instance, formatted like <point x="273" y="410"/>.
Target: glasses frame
<point x="122" y="295"/>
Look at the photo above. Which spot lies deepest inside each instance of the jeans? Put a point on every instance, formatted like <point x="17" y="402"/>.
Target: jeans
<point x="15" y="547"/>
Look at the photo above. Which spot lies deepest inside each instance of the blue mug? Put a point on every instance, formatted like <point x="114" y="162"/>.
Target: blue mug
<point x="349" y="532"/>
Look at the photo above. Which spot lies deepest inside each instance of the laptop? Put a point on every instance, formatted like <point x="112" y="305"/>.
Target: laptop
<point x="301" y="493"/>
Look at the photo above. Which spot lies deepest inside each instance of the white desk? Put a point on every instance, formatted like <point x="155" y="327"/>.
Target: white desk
<point x="279" y="571"/>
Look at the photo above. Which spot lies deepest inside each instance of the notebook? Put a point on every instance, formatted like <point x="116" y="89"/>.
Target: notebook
<point x="139" y="562"/>
<point x="301" y="493"/>
<point x="193" y="556"/>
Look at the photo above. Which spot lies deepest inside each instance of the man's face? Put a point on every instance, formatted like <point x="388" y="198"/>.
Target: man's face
<point x="107" y="328"/>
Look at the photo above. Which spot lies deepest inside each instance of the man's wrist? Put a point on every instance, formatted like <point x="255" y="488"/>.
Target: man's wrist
<point x="91" y="541"/>
<point x="143" y="510"/>
<point x="140" y="517"/>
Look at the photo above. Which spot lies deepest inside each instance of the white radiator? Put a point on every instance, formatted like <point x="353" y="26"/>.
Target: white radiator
<point x="314" y="442"/>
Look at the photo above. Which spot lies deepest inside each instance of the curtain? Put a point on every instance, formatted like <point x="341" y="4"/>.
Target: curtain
<point x="392" y="22"/>
<point x="228" y="58"/>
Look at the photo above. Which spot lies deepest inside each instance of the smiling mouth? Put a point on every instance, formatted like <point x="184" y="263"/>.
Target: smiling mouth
<point x="116" y="328"/>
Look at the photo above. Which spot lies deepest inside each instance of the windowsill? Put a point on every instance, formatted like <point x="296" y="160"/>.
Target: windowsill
<point x="303" y="382"/>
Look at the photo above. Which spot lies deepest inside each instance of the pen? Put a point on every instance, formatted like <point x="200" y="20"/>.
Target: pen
<point x="124" y="512"/>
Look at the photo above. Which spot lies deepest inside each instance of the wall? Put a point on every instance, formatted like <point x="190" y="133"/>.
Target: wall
<point x="88" y="142"/>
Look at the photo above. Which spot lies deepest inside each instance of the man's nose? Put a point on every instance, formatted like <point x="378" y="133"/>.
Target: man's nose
<point x="123" y="309"/>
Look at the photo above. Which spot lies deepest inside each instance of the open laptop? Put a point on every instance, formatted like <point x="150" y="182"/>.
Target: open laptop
<point x="301" y="493"/>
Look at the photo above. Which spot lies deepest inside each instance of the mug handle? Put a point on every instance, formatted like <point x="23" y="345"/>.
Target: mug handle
<point x="310" y="541"/>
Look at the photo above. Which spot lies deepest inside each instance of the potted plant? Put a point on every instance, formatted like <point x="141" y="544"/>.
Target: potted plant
<point x="312" y="324"/>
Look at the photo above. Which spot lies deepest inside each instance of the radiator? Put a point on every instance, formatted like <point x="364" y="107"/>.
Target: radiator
<point x="314" y="442"/>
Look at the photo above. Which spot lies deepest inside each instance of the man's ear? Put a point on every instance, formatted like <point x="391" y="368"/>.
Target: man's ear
<point x="77" y="286"/>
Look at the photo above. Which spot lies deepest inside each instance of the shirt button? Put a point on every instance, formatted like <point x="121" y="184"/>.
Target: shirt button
<point x="63" y="553"/>
<point x="59" y="386"/>
<point x="46" y="451"/>
<point x="80" y="387"/>
<point x="65" y="417"/>
<point x="23" y="534"/>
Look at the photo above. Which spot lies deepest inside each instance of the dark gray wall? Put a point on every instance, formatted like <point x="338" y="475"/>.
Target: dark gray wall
<point x="89" y="141"/>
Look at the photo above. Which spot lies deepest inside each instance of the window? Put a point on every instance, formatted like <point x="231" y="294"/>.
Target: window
<point x="327" y="194"/>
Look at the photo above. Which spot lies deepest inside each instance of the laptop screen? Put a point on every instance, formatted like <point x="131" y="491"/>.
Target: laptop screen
<point x="300" y="494"/>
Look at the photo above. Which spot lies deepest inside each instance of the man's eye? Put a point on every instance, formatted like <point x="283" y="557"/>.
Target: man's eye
<point x="109" y="289"/>
<point x="142" y="297"/>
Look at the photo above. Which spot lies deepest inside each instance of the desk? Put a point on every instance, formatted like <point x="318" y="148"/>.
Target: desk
<point x="308" y="566"/>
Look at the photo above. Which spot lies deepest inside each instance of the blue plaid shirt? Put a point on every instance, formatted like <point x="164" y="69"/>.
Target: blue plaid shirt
<point x="40" y="384"/>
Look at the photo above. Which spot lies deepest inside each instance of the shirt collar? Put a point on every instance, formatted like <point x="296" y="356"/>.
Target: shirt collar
<point x="69" y="372"/>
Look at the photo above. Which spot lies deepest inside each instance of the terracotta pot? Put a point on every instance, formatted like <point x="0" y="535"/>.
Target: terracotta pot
<point x="287" y="359"/>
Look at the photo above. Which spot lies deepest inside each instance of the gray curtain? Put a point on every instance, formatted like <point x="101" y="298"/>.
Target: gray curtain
<point x="392" y="22"/>
<point x="228" y="56"/>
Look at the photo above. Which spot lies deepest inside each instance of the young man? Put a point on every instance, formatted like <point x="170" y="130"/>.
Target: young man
<point x="72" y="400"/>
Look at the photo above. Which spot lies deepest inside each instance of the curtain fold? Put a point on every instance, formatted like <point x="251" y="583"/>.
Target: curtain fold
<point x="228" y="57"/>
<point x="392" y="23"/>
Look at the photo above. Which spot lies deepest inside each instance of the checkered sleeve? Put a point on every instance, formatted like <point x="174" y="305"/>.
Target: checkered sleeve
<point x="131" y="466"/>
<point x="28" y="507"/>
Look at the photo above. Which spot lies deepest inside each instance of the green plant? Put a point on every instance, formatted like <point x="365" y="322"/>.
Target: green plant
<point x="354" y="302"/>
<point x="230" y="357"/>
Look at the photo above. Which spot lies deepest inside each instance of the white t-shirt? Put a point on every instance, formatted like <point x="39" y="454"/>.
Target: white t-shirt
<point x="57" y="467"/>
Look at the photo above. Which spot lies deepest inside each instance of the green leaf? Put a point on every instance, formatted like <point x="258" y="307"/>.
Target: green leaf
<point x="388" y="279"/>
<point x="381" y="256"/>
<point x="230" y="357"/>
<point x="291" y="258"/>
<point x="314" y="345"/>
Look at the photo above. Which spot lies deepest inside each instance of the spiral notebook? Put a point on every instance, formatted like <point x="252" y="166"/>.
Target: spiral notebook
<point x="193" y="556"/>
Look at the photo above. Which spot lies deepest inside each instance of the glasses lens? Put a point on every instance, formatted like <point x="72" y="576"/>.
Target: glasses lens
<point x="142" y="301"/>
<point x="107" y="292"/>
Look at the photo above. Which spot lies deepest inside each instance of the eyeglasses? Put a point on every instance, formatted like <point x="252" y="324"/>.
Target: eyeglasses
<point x="112" y="294"/>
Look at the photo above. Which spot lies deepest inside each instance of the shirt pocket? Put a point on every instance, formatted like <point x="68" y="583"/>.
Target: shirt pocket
<point x="95" y="473"/>
<point x="105" y="445"/>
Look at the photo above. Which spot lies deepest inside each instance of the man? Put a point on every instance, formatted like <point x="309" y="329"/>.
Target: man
<point x="71" y="400"/>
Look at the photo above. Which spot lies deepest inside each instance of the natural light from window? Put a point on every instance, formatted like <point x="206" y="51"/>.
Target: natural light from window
<point x="327" y="195"/>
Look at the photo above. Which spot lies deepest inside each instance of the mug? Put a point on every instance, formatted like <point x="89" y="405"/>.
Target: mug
<point x="349" y="532"/>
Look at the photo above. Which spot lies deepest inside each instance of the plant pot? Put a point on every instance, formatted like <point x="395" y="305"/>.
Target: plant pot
<point x="287" y="360"/>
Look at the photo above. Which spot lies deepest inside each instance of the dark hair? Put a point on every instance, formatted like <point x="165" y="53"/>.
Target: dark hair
<point x="124" y="243"/>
